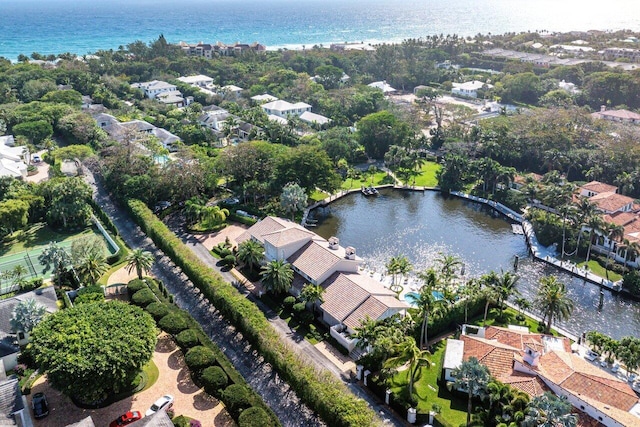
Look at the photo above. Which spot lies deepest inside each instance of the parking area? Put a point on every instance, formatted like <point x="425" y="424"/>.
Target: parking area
<point x="174" y="379"/>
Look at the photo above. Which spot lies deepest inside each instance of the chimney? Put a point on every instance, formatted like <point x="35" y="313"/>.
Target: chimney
<point x="350" y="253"/>
<point x="603" y="108"/>
<point x="531" y="356"/>
<point x="334" y="243"/>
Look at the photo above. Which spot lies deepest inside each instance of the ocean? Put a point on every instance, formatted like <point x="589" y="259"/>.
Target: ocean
<point x="84" y="26"/>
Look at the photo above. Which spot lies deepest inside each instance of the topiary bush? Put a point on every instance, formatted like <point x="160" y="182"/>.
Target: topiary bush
<point x="173" y="323"/>
<point x="135" y="285"/>
<point x="289" y="301"/>
<point x="225" y="252"/>
<point x="236" y="399"/>
<point x="214" y="380"/>
<point x="229" y="260"/>
<point x="254" y="417"/>
<point x="298" y="307"/>
<point x="198" y="358"/>
<point x="143" y="297"/>
<point x="157" y="310"/>
<point x="187" y="339"/>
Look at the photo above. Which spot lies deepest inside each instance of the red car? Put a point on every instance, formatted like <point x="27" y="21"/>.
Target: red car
<point x="126" y="419"/>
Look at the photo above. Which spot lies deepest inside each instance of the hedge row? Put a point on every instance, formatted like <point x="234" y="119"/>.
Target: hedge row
<point x="208" y="365"/>
<point x="320" y="390"/>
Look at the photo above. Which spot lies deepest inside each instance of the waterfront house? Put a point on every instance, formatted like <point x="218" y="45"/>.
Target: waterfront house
<point x="536" y="363"/>
<point x="350" y="296"/>
<point x="13" y="160"/>
<point x="285" y="109"/>
<point x="469" y="89"/>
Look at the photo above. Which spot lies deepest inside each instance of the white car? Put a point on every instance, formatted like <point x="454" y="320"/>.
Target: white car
<point x="164" y="402"/>
<point x="36" y="158"/>
<point x="615" y="368"/>
<point x="591" y="356"/>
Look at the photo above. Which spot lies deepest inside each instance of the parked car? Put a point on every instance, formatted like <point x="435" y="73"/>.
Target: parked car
<point x="162" y="205"/>
<point x="615" y="368"/>
<point x="126" y="419"/>
<point x="36" y="158"/>
<point x="164" y="402"/>
<point x="40" y="405"/>
<point x="591" y="356"/>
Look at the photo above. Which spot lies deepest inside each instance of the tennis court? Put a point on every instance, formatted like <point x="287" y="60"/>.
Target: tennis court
<point x="27" y="254"/>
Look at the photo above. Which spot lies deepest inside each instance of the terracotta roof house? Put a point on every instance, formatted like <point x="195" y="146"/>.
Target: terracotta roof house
<point x="535" y="363"/>
<point x="620" y="116"/>
<point x="596" y="187"/>
<point x="349" y="296"/>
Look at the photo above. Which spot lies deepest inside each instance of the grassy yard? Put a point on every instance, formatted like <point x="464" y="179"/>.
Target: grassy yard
<point x="379" y="178"/>
<point x="427" y="177"/>
<point x="510" y="319"/>
<point x="318" y="195"/>
<point x="596" y="268"/>
<point x="454" y="410"/>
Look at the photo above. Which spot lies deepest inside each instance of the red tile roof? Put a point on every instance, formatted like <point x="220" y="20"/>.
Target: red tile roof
<point x="610" y="202"/>
<point x="599" y="187"/>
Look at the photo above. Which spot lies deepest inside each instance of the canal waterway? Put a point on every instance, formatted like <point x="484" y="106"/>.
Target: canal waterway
<point x="422" y="226"/>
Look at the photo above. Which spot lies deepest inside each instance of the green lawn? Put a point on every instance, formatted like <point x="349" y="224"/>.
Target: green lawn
<point x="380" y="178"/>
<point x="510" y="319"/>
<point x="318" y="195"/>
<point x="427" y="177"/>
<point x="596" y="268"/>
<point x="454" y="410"/>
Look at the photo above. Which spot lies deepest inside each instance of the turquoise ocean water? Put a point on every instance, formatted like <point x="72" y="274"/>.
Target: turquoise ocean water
<point x="84" y="26"/>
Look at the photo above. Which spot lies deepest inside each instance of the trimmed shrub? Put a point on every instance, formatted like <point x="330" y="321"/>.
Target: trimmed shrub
<point x="157" y="310"/>
<point x="289" y="301"/>
<point x="143" y="297"/>
<point x="198" y="358"/>
<point x="254" y="417"/>
<point x="89" y="294"/>
<point x="236" y="399"/>
<point x="187" y="339"/>
<point x="298" y="307"/>
<point x="181" y="421"/>
<point x="229" y="260"/>
<point x="225" y="252"/>
<point x="29" y="285"/>
<point x="214" y="380"/>
<point x="173" y="323"/>
<point x="135" y="285"/>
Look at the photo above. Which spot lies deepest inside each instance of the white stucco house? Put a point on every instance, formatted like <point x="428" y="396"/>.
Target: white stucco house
<point x="13" y="160"/>
<point x="285" y="109"/>
<point x="469" y="89"/>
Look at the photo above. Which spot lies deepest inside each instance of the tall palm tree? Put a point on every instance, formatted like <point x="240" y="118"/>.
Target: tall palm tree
<point x="595" y="225"/>
<point x="488" y="283"/>
<point x="92" y="267"/>
<point x="553" y="301"/>
<point x="404" y="266"/>
<point x="632" y="250"/>
<point x="393" y="267"/>
<point x="472" y="377"/>
<point x="427" y="304"/>
<point x="193" y="209"/>
<point x="140" y="261"/>
<point x="567" y="212"/>
<point x="505" y="287"/>
<point x="448" y="264"/>
<point x="214" y="215"/>
<point x="277" y="276"/>
<point x="523" y="304"/>
<point x="408" y="354"/>
<point x="615" y="233"/>
<point x="251" y="252"/>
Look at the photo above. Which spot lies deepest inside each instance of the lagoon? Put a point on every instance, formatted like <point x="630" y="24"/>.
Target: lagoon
<point x="423" y="225"/>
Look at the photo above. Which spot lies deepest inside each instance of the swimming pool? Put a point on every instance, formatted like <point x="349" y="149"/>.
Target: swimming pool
<point x="412" y="297"/>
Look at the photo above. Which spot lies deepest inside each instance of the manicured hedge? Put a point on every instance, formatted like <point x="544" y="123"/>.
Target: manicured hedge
<point x="214" y="380"/>
<point x="236" y="399"/>
<point x="187" y="339"/>
<point x="143" y="297"/>
<point x="198" y="358"/>
<point x="254" y="417"/>
<point x="89" y="294"/>
<point x="135" y="285"/>
<point x="157" y="310"/>
<point x="173" y="323"/>
<point x="321" y="391"/>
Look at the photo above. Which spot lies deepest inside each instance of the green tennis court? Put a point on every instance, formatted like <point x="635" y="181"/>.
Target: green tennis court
<point x="26" y="247"/>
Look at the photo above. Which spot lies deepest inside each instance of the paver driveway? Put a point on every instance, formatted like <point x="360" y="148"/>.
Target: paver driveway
<point x="174" y="379"/>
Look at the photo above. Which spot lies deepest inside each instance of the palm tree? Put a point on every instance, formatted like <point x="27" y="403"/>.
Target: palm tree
<point x="489" y="291"/>
<point x="140" y="261"/>
<point x="469" y="291"/>
<point x="506" y="287"/>
<point x="277" y="276"/>
<point x="523" y="304"/>
<point x="632" y="249"/>
<point x="615" y="233"/>
<point x="404" y="267"/>
<point x="92" y="267"/>
<point x="251" y="252"/>
<point x="214" y="215"/>
<point x="473" y="378"/>
<point x="566" y="211"/>
<point x="18" y="273"/>
<point x="193" y="210"/>
<point x="448" y="264"/>
<point x="553" y="301"/>
<point x="26" y="315"/>
<point x="408" y="354"/>
<point x="595" y="225"/>
<point x="426" y="303"/>
<point x="56" y="257"/>
<point x="549" y="410"/>
<point x="311" y="294"/>
<point x="392" y="267"/>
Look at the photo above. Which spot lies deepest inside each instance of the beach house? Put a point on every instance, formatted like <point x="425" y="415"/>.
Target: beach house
<point x="13" y="160"/>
